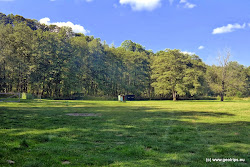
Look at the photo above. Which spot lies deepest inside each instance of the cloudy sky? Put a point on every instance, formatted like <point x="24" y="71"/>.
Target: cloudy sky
<point x="203" y="27"/>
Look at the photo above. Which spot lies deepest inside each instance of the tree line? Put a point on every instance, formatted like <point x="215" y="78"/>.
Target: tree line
<point x="58" y="63"/>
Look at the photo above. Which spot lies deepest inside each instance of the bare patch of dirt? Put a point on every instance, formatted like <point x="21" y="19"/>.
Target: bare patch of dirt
<point x="10" y="161"/>
<point x="148" y="149"/>
<point x="65" y="162"/>
<point x="84" y="114"/>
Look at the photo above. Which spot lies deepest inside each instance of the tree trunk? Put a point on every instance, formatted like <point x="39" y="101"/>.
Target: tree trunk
<point x="222" y="93"/>
<point x="174" y="95"/>
<point x="221" y="97"/>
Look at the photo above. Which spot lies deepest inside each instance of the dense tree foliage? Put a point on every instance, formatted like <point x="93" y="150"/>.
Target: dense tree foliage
<point x="58" y="63"/>
<point x="236" y="82"/>
<point x="177" y="73"/>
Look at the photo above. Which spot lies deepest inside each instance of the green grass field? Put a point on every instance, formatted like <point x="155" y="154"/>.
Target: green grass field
<point x="139" y="133"/>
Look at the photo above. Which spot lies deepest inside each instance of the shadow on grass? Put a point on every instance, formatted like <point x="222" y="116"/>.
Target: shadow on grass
<point x="121" y="136"/>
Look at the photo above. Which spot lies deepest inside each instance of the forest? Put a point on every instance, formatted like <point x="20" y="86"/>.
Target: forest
<point x="57" y="63"/>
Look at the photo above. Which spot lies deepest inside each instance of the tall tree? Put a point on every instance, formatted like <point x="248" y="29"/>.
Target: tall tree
<point x="177" y="73"/>
<point x="233" y="83"/>
<point x="168" y="72"/>
<point x="223" y="61"/>
<point x="218" y="76"/>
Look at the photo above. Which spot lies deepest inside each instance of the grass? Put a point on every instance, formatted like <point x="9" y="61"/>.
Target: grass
<point x="139" y="133"/>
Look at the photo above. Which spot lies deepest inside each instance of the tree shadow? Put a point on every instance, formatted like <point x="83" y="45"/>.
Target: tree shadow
<point x="122" y="135"/>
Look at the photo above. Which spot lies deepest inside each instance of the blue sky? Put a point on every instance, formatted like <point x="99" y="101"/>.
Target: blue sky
<point x="203" y="27"/>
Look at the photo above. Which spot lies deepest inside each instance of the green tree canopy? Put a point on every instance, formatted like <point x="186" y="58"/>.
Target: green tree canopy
<point x="177" y="73"/>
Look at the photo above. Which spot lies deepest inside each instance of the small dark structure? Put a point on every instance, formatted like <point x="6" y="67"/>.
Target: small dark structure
<point x="77" y="96"/>
<point x="130" y="97"/>
<point x="124" y="98"/>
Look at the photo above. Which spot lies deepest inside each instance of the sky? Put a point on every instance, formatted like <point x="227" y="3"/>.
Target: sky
<point x="204" y="27"/>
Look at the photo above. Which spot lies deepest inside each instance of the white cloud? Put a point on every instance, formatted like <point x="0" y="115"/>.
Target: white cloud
<point x="75" y="27"/>
<point x="248" y="24"/>
<point x="201" y="47"/>
<point x="186" y="52"/>
<point x="138" y="5"/>
<point x="228" y="28"/>
<point x="45" y="20"/>
<point x="187" y="4"/>
<point x="89" y="0"/>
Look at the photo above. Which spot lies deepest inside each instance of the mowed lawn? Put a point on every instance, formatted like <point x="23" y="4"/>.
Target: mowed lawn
<point x="139" y="133"/>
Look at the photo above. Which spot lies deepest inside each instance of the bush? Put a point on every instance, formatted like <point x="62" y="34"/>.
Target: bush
<point x="27" y="96"/>
<point x="239" y="94"/>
